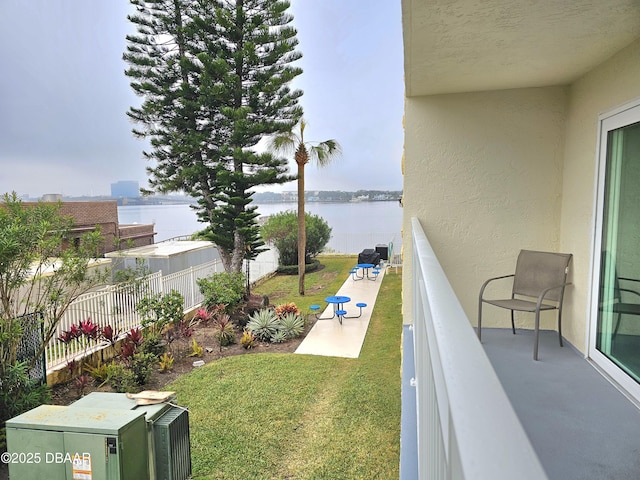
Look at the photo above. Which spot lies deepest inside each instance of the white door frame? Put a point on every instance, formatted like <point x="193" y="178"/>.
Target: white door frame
<point x="614" y="119"/>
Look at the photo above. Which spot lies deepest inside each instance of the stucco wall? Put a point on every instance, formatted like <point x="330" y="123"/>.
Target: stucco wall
<point x="483" y="173"/>
<point x="489" y="173"/>
<point x="612" y="84"/>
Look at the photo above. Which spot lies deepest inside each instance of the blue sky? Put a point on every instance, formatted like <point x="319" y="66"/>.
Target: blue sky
<point x="64" y="95"/>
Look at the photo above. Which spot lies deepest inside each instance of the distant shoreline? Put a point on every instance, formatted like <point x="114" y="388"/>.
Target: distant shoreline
<point x="259" y="198"/>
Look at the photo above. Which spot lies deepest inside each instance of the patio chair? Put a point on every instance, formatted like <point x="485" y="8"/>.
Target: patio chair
<point x="625" y="308"/>
<point x="538" y="284"/>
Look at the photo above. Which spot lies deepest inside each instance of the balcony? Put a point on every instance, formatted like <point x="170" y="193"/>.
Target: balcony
<point x="488" y="411"/>
<point x="579" y="424"/>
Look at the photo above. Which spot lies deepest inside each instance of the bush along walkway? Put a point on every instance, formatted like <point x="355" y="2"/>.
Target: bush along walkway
<point x="285" y="416"/>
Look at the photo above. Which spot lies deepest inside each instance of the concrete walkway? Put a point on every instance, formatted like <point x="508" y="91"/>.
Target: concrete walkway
<point x="328" y="337"/>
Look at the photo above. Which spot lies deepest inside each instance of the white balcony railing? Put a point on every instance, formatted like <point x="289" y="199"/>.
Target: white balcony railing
<point x="466" y="426"/>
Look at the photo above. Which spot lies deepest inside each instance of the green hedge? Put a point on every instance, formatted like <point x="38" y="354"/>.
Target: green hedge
<point x="293" y="269"/>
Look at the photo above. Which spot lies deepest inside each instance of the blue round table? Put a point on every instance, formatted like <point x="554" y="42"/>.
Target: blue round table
<point x="365" y="270"/>
<point x="338" y="302"/>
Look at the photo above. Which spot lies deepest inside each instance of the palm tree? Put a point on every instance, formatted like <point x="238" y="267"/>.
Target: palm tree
<point x="321" y="153"/>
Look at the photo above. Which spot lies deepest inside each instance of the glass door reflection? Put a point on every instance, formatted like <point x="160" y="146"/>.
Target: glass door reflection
<point x="618" y="333"/>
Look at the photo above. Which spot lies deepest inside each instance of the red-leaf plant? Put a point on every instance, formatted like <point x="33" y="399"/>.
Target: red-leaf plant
<point x="85" y="333"/>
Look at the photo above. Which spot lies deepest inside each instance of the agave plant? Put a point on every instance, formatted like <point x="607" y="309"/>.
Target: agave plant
<point x="263" y="324"/>
<point x="278" y="337"/>
<point x="291" y="324"/>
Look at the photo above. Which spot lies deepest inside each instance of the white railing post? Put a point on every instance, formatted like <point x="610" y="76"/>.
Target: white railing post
<point x="467" y="428"/>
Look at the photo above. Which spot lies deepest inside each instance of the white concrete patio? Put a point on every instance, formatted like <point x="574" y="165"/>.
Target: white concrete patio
<point x="329" y="337"/>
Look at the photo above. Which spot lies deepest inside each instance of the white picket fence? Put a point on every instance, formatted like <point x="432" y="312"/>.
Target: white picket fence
<point x="115" y="305"/>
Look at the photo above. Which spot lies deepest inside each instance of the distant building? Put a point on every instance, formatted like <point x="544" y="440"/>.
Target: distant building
<point x="125" y="189"/>
<point x="51" y="197"/>
<point x="104" y="214"/>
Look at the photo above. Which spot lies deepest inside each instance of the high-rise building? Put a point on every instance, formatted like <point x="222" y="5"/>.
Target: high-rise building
<point x="125" y="189"/>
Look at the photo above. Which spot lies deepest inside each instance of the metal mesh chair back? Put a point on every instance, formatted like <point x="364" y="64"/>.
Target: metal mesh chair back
<point x="536" y="271"/>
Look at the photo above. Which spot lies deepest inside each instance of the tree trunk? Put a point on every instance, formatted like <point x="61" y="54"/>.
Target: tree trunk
<point x="302" y="231"/>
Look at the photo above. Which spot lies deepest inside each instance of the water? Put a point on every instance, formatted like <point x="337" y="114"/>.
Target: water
<point x="355" y="226"/>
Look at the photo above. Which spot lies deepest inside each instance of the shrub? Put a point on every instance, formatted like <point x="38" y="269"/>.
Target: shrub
<point x="166" y="362"/>
<point x="282" y="230"/>
<point x="201" y="315"/>
<point x="248" y="340"/>
<point x="285" y="308"/>
<point x="81" y="382"/>
<point x="131" y="343"/>
<point x="19" y="392"/>
<point x="291" y="324"/>
<point x="161" y="310"/>
<point x="196" y="349"/>
<point x="142" y="367"/>
<point x="223" y="331"/>
<point x="293" y="269"/>
<point x="99" y="373"/>
<point x="263" y="324"/>
<point x="109" y="335"/>
<point x="121" y="378"/>
<point x="153" y="343"/>
<point x="223" y="288"/>
<point x="178" y="330"/>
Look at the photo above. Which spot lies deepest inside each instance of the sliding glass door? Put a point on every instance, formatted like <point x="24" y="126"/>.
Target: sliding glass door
<point x="617" y="333"/>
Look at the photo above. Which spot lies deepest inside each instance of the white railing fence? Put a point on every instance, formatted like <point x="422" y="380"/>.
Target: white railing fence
<point x="115" y="305"/>
<point x="467" y="428"/>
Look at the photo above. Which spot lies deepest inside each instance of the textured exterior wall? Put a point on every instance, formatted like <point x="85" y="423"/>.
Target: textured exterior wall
<point x="483" y="173"/>
<point x="612" y="84"/>
<point x="490" y="173"/>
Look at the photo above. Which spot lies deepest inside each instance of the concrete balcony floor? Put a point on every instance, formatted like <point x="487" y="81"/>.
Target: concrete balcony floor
<point x="579" y="424"/>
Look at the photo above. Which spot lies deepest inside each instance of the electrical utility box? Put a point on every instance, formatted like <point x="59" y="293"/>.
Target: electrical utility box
<point x="168" y="439"/>
<point x="74" y="443"/>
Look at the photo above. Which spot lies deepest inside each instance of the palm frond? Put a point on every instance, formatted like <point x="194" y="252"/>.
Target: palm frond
<point x="284" y="143"/>
<point x="325" y="152"/>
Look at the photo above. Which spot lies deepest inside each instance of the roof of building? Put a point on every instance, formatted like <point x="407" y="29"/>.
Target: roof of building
<point x="163" y="249"/>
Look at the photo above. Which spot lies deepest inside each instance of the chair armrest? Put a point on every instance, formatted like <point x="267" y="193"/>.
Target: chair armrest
<point x="547" y="290"/>
<point x="628" y="279"/>
<point x="484" y="285"/>
<point x="628" y="290"/>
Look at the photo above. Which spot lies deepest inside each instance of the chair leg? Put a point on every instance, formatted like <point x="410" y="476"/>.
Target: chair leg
<point x="536" y="336"/>
<point x="513" y="324"/>
<point x="560" y="327"/>
<point x="480" y="320"/>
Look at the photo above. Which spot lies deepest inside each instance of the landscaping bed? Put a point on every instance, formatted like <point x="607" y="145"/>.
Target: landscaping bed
<point x="203" y="334"/>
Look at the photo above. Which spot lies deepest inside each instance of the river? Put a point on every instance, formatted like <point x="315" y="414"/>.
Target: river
<point x="355" y="225"/>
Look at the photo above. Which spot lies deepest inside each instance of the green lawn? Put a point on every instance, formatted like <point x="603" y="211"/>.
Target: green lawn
<point x="287" y="416"/>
